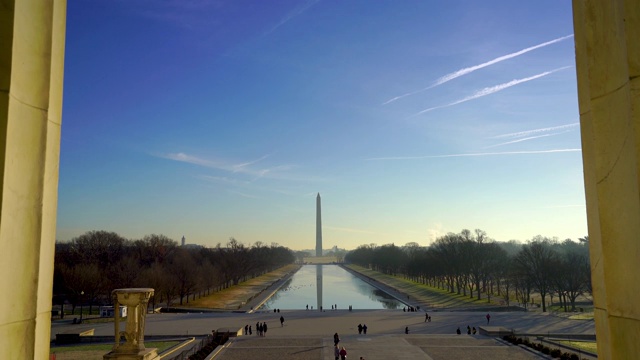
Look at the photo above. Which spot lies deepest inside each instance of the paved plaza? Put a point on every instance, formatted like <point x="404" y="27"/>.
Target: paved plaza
<point x="309" y="334"/>
<point x="405" y="347"/>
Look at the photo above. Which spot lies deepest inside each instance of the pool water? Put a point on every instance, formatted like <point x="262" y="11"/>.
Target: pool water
<point x="316" y="286"/>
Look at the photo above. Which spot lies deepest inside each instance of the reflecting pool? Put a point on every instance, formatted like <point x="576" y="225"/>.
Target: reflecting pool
<point x="329" y="285"/>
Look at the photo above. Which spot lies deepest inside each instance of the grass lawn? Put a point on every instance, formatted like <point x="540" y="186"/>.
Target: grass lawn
<point x="582" y="345"/>
<point x="434" y="297"/>
<point x="582" y="316"/>
<point x="233" y="297"/>
<point x="96" y="352"/>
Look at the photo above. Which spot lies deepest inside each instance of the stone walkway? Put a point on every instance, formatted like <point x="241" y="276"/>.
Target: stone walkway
<point x="308" y="334"/>
<point x="380" y="347"/>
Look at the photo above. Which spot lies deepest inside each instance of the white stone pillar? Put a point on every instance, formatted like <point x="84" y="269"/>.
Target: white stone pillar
<point x="32" y="35"/>
<point x="607" y="59"/>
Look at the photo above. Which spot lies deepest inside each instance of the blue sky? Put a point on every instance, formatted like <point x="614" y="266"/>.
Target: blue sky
<point x="218" y="119"/>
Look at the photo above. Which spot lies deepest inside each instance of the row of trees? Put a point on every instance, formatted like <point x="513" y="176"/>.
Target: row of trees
<point x="89" y="267"/>
<point x="470" y="263"/>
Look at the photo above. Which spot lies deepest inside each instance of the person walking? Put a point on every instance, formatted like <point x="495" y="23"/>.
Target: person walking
<point x="264" y="328"/>
<point x="458" y="331"/>
<point x="343" y="353"/>
<point x="364" y="329"/>
<point x="336" y="351"/>
<point x="359" y="328"/>
<point x="406" y="330"/>
<point x="468" y="330"/>
<point x="336" y="339"/>
<point x="488" y="318"/>
<point x="426" y="317"/>
<point x="281" y="321"/>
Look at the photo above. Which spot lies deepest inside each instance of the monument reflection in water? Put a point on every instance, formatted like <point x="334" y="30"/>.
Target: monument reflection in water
<point x="321" y="286"/>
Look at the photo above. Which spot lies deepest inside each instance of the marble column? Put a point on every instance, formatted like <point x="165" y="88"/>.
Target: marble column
<point x="32" y="37"/>
<point x="608" y="69"/>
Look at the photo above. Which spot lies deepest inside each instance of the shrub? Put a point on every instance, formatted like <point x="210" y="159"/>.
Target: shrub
<point x="566" y="356"/>
<point x="555" y="353"/>
<point x="510" y="338"/>
<point x="546" y="350"/>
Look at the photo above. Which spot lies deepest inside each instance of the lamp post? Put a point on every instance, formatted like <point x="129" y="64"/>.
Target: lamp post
<point x="81" y="298"/>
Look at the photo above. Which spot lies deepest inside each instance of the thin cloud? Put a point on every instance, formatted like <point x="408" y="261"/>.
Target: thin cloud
<point x="468" y="70"/>
<point x="278" y="172"/>
<point x="526" y="139"/>
<point x="183" y="13"/>
<point x="222" y="179"/>
<point x="194" y="160"/>
<point x="242" y="194"/>
<point x="293" y="14"/>
<point x="238" y="167"/>
<point x="535" y="131"/>
<point x="491" y="90"/>
<point x="243" y="168"/>
<point x="476" y="154"/>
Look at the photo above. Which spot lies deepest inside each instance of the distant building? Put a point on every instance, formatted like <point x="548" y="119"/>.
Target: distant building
<point x="183" y="240"/>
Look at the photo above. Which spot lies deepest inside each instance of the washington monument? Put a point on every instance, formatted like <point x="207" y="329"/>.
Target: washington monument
<point x="318" y="227"/>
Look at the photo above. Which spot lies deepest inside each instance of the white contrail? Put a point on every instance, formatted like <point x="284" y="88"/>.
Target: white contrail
<point x="490" y="90"/>
<point x="296" y="12"/>
<point x="465" y="71"/>
<point x="476" y="154"/>
<point x="534" y="131"/>
<point x="525" y="139"/>
<point x="238" y="167"/>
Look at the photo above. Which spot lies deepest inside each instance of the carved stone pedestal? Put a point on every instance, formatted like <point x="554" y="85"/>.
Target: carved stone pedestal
<point x="136" y="301"/>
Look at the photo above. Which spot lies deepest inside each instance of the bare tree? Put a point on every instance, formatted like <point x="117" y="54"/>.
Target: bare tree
<point x="538" y="258"/>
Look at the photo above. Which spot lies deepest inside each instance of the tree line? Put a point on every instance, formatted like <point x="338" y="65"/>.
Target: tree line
<point x="471" y="264"/>
<point x="90" y="266"/>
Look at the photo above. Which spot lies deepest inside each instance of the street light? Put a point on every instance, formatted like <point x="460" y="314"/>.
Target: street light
<point x="81" y="296"/>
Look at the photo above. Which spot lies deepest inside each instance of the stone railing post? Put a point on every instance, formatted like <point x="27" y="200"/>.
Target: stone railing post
<point x="136" y="300"/>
